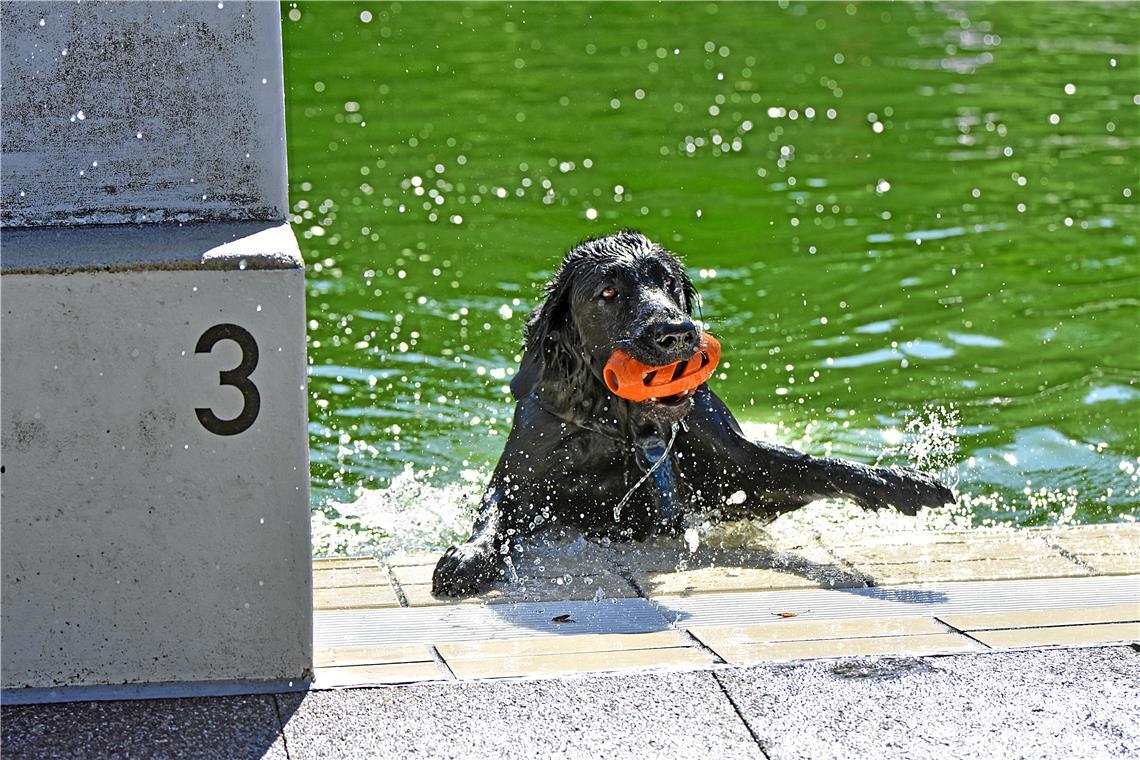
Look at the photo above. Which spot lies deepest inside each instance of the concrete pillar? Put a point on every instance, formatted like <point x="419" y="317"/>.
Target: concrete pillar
<point x="154" y="493"/>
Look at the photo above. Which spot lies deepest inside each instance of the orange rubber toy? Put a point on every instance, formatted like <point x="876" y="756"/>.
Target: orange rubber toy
<point x="632" y="380"/>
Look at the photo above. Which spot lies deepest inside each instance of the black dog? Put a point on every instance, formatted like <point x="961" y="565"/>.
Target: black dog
<point x="579" y="455"/>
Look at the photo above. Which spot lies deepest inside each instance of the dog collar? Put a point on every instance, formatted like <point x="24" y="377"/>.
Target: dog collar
<point x="654" y="449"/>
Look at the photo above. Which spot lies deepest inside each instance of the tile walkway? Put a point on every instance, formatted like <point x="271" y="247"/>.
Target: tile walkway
<point x="656" y="605"/>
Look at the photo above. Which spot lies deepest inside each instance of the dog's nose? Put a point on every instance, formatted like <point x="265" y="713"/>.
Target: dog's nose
<point x="672" y="336"/>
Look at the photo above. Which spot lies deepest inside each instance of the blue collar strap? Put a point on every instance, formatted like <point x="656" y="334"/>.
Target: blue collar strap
<point x="652" y="450"/>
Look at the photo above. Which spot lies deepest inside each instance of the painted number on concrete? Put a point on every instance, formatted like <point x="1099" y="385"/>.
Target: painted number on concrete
<point x="238" y="377"/>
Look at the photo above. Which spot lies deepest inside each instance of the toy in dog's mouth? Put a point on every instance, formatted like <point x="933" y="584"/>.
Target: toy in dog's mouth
<point x="669" y="385"/>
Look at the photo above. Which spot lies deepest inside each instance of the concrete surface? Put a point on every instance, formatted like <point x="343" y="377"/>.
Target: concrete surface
<point x="1031" y="704"/>
<point x="146" y="262"/>
<point x="1076" y="703"/>
<point x="245" y="246"/>
<point x="142" y="112"/>
<point x="235" y="727"/>
<point x="640" y="716"/>
<point x="138" y="544"/>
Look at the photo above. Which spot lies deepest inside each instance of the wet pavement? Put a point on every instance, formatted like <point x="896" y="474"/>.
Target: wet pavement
<point x="1031" y="704"/>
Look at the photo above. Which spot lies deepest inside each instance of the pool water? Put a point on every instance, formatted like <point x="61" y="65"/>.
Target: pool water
<point x="913" y="228"/>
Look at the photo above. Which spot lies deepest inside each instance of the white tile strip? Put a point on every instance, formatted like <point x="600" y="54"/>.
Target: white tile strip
<point x="927" y="599"/>
<point x="471" y="622"/>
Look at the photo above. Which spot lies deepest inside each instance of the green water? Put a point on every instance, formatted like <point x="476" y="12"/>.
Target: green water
<point x="894" y="214"/>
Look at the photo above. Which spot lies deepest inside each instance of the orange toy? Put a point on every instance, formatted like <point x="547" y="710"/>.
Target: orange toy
<point x="630" y="379"/>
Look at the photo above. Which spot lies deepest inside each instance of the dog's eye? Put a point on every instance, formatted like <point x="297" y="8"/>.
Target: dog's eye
<point x="670" y="282"/>
<point x="608" y="294"/>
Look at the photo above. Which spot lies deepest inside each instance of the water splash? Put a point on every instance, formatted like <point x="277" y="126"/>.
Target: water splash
<point x="412" y="512"/>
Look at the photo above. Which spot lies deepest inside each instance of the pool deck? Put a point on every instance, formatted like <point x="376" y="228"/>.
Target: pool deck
<point x="1018" y="643"/>
<point x="660" y="605"/>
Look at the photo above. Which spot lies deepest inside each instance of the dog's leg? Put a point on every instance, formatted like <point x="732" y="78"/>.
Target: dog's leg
<point x="718" y="453"/>
<point x="471" y="567"/>
<point x="504" y="512"/>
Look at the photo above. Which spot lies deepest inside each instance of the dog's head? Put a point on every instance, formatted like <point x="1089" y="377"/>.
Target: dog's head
<point x="621" y="291"/>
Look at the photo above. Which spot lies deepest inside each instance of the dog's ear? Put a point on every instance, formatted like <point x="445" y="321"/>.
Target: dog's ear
<point x="531" y="367"/>
<point x="542" y="333"/>
<point x="690" y="292"/>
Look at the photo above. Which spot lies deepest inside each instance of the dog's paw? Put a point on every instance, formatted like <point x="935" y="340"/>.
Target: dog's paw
<point x="906" y="490"/>
<point x="464" y="570"/>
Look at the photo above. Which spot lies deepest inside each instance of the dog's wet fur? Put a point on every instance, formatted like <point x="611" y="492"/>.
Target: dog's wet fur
<point x="575" y="449"/>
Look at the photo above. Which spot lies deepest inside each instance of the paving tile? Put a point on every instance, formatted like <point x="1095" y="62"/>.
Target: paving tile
<point x="915" y="537"/>
<point x="569" y="644"/>
<point x="715" y="636"/>
<point x="370" y="675"/>
<point x="1117" y="613"/>
<point x="1072" y="703"/>
<point x="945" y="550"/>
<point x="419" y="595"/>
<point x="371" y="655"/>
<point x="1113" y="564"/>
<point x="919" y="644"/>
<point x="337" y="563"/>
<point x="408" y="559"/>
<point x="230" y="727"/>
<point x="615" y="716"/>
<point x="973" y="570"/>
<point x="1070" y="635"/>
<point x="579" y="662"/>
<point x="717" y="579"/>
<point x="671" y="554"/>
<point x="612" y="587"/>
<point x="350" y="576"/>
<point x="354" y="597"/>
<point x="413" y="574"/>
<point x="1081" y="543"/>
<point x="1128" y="530"/>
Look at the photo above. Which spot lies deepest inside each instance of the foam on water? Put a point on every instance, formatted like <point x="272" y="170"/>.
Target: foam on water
<point x="413" y="512"/>
<point x="417" y="511"/>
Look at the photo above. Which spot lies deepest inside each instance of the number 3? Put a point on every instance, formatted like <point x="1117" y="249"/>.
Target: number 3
<point x="238" y="377"/>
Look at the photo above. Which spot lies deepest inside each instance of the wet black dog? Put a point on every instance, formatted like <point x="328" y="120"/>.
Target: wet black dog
<point x="579" y="455"/>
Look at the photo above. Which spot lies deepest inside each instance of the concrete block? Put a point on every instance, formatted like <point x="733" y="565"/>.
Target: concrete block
<point x="155" y="474"/>
<point x="142" y="112"/>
